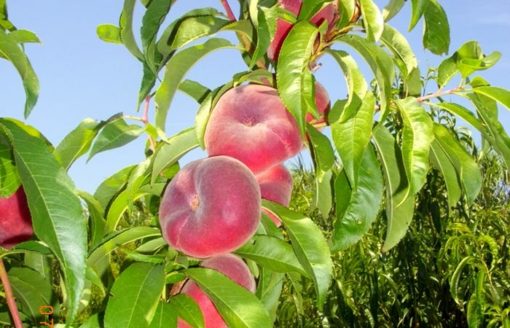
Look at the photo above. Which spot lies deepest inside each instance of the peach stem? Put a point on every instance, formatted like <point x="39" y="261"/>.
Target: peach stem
<point x="11" y="303"/>
<point x="230" y="14"/>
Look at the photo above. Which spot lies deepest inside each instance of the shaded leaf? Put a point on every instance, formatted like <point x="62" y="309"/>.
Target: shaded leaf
<point x="436" y="36"/>
<point x="165" y="317"/>
<point x="188" y="310"/>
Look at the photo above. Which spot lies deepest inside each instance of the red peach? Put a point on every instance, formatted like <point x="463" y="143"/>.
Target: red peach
<point x="322" y="102"/>
<point x="275" y="185"/>
<point x="329" y="14"/>
<point x="211" y="207"/>
<point x="15" y="220"/>
<point x="251" y="123"/>
<point x="231" y="266"/>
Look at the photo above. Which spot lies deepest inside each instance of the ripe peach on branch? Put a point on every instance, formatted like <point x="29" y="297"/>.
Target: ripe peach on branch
<point x="15" y="219"/>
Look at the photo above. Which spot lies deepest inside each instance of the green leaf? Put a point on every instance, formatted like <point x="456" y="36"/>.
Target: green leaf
<point x="347" y="9"/>
<point x="436" y="35"/>
<point x="172" y="150"/>
<point x="323" y="196"/>
<point x="441" y="162"/>
<point x="461" y="112"/>
<point x="356" y="85"/>
<point x="126" y="29"/>
<point x="418" y="8"/>
<point x="343" y="194"/>
<point x="24" y="36"/>
<point x="192" y="26"/>
<point x="269" y="289"/>
<point x="392" y="8"/>
<point x="446" y="71"/>
<point x="237" y="306"/>
<point x="134" y="296"/>
<point x="310" y="8"/>
<point x="194" y="89"/>
<point x="10" y="50"/>
<point x="112" y="186"/>
<point x="31" y="289"/>
<point x="109" y="33"/>
<point x="117" y="239"/>
<point x="380" y="63"/>
<point x="353" y="135"/>
<point x="364" y="204"/>
<point x="97" y="222"/>
<point x="77" y="142"/>
<point x="322" y="151"/>
<point x="115" y="134"/>
<point x="405" y="58"/>
<point x="293" y="73"/>
<point x="467" y="169"/>
<point x="266" y="20"/>
<point x="399" y="201"/>
<point x="500" y="95"/>
<point x="272" y="253"/>
<point x="310" y="247"/>
<point x="373" y="20"/>
<point x="152" y="20"/>
<point x="47" y="188"/>
<point x="188" y="310"/>
<point x="417" y="136"/>
<point x="176" y="68"/>
<point x="9" y="178"/>
<point x="165" y="317"/>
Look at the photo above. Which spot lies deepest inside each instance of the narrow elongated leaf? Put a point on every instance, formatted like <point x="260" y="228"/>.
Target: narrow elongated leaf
<point x="134" y="296"/>
<point x="10" y="49"/>
<point x="467" y="169"/>
<point x="266" y="23"/>
<point x="114" y="134"/>
<point x="399" y="201"/>
<point x="57" y="215"/>
<point x="323" y="195"/>
<point x="461" y="112"/>
<point x="269" y="289"/>
<point x="112" y="185"/>
<point x="9" y="178"/>
<point x="31" y="289"/>
<point x="442" y="163"/>
<point x="171" y="151"/>
<point x="500" y="95"/>
<point x="165" y="316"/>
<point x="364" y="203"/>
<point x="151" y="21"/>
<point x="417" y="9"/>
<point x="356" y="84"/>
<point x="126" y="29"/>
<point x="176" y="69"/>
<point x="24" y="36"/>
<point x="273" y="253"/>
<point x="237" y="306"/>
<point x="347" y="8"/>
<point x="309" y="245"/>
<point x="392" y="8"/>
<point x="323" y="154"/>
<point x="194" y="89"/>
<point x="446" y="71"/>
<point x="109" y="33"/>
<point x="352" y="136"/>
<point x="188" y="310"/>
<point x="373" y="20"/>
<point x="417" y="136"/>
<point x="77" y="142"/>
<point x="436" y="36"/>
<point x="293" y="73"/>
<point x="380" y="63"/>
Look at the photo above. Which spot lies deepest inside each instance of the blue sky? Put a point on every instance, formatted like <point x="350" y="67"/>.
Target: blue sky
<point x="82" y="76"/>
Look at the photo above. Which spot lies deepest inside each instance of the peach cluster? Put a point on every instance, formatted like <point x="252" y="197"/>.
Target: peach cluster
<point x="15" y="220"/>
<point x="213" y="205"/>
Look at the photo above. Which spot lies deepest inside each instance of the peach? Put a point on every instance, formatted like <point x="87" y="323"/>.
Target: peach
<point x="275" y="185"/>
<point x="323" y="104"/>
<point x="231" y="266"/>
<point x="329" y="14"/>
<point x="211" y="207"/>
<point x="15" y="219"/>
<point x="251" y="123"/>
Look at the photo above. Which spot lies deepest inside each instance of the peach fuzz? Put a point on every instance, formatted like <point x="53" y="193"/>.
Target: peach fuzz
<point x="15" y="219"/>
<point x="329" y="14"/>
<point x="231" y="266"/>
<point x="211" y="207"/>
<point x="251" y="123"/>
<point x="276" y="186"/>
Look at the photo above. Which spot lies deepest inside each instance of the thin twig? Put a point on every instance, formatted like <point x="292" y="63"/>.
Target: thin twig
<point x="230" y="14"/>
<point x="145" y="120"/>
<point x="11" y="302"/>
<point x="438" y="93"/>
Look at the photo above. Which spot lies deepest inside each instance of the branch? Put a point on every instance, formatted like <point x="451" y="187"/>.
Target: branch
<point x="438" y="93"/>
<point x="11" y="302"/>
<point x="230" y="14"/>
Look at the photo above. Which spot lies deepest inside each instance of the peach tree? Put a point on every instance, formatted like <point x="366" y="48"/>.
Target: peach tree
<point x="212" y="243"/>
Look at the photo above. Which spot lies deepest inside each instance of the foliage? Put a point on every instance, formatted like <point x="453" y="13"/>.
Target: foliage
<point x="405" y="229"/>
